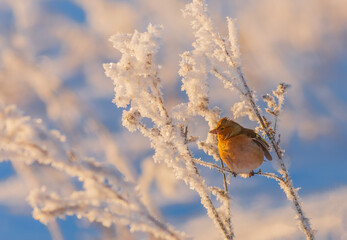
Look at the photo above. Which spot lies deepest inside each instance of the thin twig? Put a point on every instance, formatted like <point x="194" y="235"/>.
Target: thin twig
<point x="215" y="214"/>
<point x="226" y="170"/>
<point x="225" y="80"/>
<point x="112" y="193"/>
<point x="294" y="198"/>
<point x="211" y="165"/>
<point x="224" y="178"/>
<point x="227" y="193"/>
<point x="270" y="175"/>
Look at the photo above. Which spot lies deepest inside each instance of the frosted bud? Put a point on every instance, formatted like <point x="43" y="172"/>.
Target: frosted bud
<point x="130" y="119"/>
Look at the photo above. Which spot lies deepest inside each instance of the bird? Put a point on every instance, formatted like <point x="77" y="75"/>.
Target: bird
<point x="241" y="149"/>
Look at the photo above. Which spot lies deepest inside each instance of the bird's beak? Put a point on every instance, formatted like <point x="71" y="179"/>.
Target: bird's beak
<point x="214" y="131"/>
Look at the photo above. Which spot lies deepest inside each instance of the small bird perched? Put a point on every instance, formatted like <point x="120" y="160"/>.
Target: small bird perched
<point x="241" y="149"/>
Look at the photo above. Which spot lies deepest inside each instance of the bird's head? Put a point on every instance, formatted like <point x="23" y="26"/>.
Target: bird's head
<point x="227" y="128"/>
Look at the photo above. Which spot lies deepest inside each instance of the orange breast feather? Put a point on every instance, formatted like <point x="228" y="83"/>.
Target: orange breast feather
<point x="240" y="153"/>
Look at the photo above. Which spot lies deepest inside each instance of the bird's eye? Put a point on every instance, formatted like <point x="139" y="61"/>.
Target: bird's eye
<point x="222" y="129"/>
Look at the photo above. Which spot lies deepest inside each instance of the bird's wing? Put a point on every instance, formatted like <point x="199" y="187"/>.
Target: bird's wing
<point x="265" y="150"/>
<point x="260" y="141"/>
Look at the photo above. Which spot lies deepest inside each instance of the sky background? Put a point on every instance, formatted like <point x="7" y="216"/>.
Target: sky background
<point x="51" y="56"/>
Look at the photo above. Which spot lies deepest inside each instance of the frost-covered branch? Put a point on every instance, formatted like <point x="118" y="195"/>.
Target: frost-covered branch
<point x="227" y="170"/>
<point x="106" y="197"/>
<point x="193" y="69"/>
<point x="222" y="57"/>
<point x="288" y="187"/>
<point x="136" y="83"/>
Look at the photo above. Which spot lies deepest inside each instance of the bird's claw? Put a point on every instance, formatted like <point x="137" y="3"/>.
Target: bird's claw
<point x="251" y="174"/>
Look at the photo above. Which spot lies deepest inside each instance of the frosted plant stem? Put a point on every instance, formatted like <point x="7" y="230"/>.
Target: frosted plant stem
<point x="227" y="192"/>
<point x="226" y="170"/>
<point x="163" y="227"/>
<point x="271" y="175"/>
<point x="124" y="201"/>
<point x="229" y="235"/>
<point x="211" y="165"/>
<point x="288" y="187"/>
<point x="226" y="63"/>
<point x="137" y="84"/>
<point x="33" y="182"/>
<point x="106" y="197"/>
<point x="205" y="198"/>
<point x="224" y="179"/>
<point x="54" y="230"/>
<point x="210" y="207"/>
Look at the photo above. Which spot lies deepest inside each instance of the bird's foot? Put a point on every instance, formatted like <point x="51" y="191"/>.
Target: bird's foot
<point x="251" y="174"/>
<point x="234" y="174"/>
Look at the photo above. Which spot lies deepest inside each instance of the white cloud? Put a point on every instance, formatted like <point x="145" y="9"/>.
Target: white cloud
<point x="262" y="221"/>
